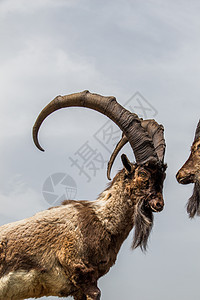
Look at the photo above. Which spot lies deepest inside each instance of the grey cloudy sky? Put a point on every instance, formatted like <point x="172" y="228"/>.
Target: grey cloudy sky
<point x="118" y="48"/>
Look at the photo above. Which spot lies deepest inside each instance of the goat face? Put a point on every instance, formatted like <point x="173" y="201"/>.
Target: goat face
<point x="150" y="180"/>
<point x="144" y="184"/>
<point x="146" y="181"/>
<point x="190" y="171"/>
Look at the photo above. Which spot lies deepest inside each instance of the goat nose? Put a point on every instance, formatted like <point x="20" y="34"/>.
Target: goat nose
<point x="159" y="205"/>
<point x="184" y="177"/>
<point x="156" y="204"/>
<point x="178" y="176"/>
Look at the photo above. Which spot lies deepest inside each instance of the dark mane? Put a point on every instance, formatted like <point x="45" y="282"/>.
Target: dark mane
<point x="143" y="226"/>
<point x="193" y="205"/>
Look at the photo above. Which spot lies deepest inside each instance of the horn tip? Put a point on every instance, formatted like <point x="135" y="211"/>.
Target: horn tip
<point x="35" y="139"/>
<point x="39" y="147"/>
<point x="108" y="174"/>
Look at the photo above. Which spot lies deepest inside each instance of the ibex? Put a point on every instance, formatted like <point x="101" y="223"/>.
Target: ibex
<point x="64" y="250"/>
<point x="190" y="173"/>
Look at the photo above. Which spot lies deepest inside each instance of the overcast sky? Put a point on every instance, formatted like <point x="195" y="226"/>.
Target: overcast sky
<point x="146" y="54"/>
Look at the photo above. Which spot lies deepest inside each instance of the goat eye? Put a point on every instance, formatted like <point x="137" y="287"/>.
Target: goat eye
<point x="142" y="174"/>
<point x="198" y="147"/>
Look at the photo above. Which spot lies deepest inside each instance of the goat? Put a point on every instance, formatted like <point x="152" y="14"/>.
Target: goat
<point x="64" y="250"/>
<point x="190" y="173"/>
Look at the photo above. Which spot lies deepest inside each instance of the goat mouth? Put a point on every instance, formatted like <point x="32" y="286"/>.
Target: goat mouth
<point x="187" y="180"/>
<point x="153" y="209"/>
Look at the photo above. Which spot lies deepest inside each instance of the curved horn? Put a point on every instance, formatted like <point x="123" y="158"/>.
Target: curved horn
<point x="197" y="133"/>
<point x="128" y="122"/>
<point x="118" y="147"/>
<point x="156" y="133"/>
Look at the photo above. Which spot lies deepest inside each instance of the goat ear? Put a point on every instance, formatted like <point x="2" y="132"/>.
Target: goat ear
<point x="127" y="164"/>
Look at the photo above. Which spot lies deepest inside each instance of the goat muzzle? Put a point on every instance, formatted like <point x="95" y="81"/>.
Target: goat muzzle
<point x="184" y="177"/>
<point x="156" y="205"/>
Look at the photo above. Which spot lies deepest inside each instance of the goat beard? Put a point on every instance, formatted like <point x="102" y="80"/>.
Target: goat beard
<point x="143" y="225"/>
<point x="193" y="205"/>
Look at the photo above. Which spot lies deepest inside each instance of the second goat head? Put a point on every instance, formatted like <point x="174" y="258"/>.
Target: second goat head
<point x="190" y="173"/>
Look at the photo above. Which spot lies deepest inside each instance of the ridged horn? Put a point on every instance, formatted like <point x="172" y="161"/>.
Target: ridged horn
<point x="155" y="132"/>
<point x="128" y="122"/>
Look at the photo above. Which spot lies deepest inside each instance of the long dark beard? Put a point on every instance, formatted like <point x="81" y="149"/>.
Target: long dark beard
<point x="143" y="226"/>
<point x="193" y="205"/>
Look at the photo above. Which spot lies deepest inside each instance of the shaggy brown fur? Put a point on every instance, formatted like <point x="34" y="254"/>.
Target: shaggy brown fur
<point x="64" y="250"/>
<point x="193" y="206"/>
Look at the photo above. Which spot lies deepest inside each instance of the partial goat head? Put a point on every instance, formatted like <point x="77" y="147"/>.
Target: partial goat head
<point x="190" y="173"/>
